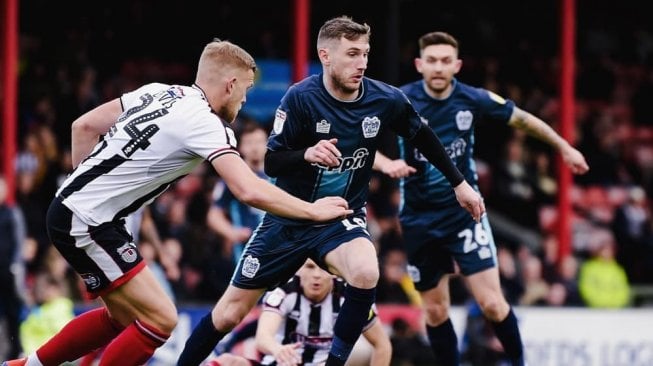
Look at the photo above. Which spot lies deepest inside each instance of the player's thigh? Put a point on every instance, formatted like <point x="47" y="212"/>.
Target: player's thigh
<point x="345" y="249"/>
<point x="142" y="298"/>
<point x="355" y="261"/>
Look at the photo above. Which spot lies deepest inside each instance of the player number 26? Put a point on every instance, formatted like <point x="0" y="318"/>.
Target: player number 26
<point x="473" y="239"/>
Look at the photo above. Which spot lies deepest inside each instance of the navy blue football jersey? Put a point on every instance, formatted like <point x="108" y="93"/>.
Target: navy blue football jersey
<point x="453" y="120"/>
<point x="308" y="114"/>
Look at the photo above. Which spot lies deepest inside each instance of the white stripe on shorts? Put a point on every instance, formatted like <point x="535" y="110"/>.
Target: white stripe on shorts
<point x="96" y="253"/>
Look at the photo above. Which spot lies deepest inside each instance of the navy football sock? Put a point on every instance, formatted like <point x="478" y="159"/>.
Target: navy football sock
<point x="508" y="333"/>
<point x="200" y="343"/>
<point x="351" y="319"/>
<point x="444" y="343"/>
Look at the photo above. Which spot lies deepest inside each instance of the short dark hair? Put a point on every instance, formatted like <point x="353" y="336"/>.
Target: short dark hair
<point x="434" y="38"/>
<point x="342" y="26"/>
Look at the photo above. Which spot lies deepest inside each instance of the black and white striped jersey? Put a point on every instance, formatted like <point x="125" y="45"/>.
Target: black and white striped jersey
<point x="307" y="322"/>
<point x="164" y="132"/>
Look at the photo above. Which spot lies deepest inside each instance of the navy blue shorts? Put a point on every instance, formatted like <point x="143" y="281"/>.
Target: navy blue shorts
<point x="276" y="251"/>
<point x="434" y="239"/>
<point x="104" y="255"/>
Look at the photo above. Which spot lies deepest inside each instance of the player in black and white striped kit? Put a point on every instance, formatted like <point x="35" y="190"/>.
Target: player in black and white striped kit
<point x="296" y="323"/>
<point x="127" y="152"/>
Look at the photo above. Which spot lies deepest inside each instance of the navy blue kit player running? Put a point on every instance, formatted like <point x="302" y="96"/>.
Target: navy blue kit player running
<point x="435" y="229"/>
<point x="323" y="142"/>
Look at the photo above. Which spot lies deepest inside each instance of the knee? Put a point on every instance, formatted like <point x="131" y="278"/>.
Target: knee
<point x="365" y="277"/>
<point x="495" y="308"/>
<point x="227" y="319"/>
<point x="167" y="322"/>
<point x="436" y="312"/>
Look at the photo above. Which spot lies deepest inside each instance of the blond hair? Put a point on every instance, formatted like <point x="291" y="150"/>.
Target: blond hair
<point x="219" y="56"/>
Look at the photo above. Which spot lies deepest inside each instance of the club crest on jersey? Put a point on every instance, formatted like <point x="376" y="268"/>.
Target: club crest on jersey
<point x="92" y="281"/>
<point x="323" y="126"/>
<point x="128" y="252"/>
<point x="250" y="266"/>
<point x="464" y="120"/>
<point x="279" y="119"/>
<point x="371" y="126"/>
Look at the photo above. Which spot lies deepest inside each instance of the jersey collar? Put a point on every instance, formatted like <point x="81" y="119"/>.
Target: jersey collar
<point x="202" y="94"/>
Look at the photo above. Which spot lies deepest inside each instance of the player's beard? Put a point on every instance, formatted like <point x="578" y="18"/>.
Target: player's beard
<point x="228" y="114"/>
<point x="347" y="87"/>
<point x="438" y="86"/>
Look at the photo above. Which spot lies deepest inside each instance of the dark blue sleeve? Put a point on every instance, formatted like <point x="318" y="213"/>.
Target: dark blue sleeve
<point x="285" y="152"/>
<point x="288" y="126"/>
<point x="407" y="121"/>
<point x="493" y="106"/>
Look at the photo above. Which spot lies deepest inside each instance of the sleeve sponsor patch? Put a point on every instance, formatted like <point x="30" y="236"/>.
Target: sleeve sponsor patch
<point x="496" y="98"/>
<point x="279" y="119"/>
<point x="274" y="298"/>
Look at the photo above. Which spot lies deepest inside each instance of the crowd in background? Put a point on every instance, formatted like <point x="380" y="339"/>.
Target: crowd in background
<point x="612" y="229"/>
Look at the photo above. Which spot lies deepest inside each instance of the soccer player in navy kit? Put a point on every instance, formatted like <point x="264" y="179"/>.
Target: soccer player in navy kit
<point x="435" y="230"/>
<point x="126" y="152"/>
<point x="323" y="142"/>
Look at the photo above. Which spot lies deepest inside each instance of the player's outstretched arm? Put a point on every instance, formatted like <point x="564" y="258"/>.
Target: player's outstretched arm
<point x="537" y="128"/>
<point x="87" y="129"/>
<point x="266" y="342"/>
<point x="257" y="192"/>
<point x="393" y="168"/>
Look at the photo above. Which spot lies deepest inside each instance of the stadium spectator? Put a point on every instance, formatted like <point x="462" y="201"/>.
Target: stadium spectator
<point x="536" y="289"/>
<point x="148" y="127"/>
<point x="50" y="312"/>
<point x="323" y="142"/>
<point x="633" y="232"/>
<point x="395" y="285"/>
<point x="602" y="281"/>
<point x="12" y="269"/>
